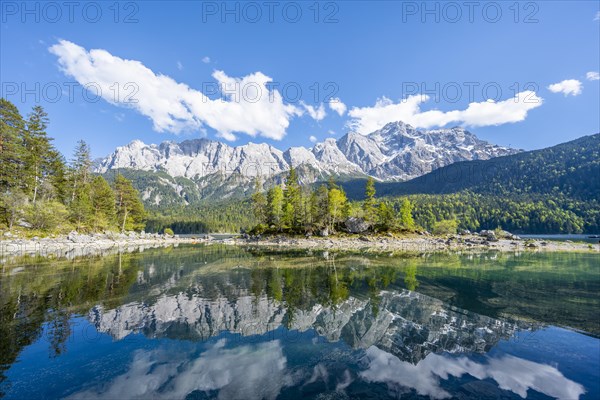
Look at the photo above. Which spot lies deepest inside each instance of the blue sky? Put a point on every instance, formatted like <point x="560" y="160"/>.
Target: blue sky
<point x="539" y="65"/>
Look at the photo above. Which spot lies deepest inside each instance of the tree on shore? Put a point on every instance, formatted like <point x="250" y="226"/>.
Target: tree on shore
<point x="292" y="202"/>
<point x="12" y="126"/>
<point x="38" y="190"/>
<point x="38" y="152"/>
<point x="369" y="206"/>
<point x="130" y="210"/>
<point x="102" y="201"/>
<point x="406" y="218"/>
<point x="337" y="207"/>
<point x="275" y="207"/>
<point x="259" y="203"/>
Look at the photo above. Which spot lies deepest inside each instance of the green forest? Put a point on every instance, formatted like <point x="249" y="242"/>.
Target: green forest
<point x="42" y="193"/>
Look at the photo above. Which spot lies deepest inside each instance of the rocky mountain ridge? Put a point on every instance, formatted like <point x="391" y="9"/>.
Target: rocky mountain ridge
<point x="397" y="152"/>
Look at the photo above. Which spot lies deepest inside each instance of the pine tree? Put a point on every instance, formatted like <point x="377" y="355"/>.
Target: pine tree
<point x="80" y="201"/>
<point x="406" y="218"/>
<point x="130" y="210"/>
<point x="81" y="207"/>
<point x="259" y="203"/>
<point x="58" y="176"/>
<point x="81" y="166"/>
<point x="11" y="147"/>
<point x="292" y="207"/>
<point x="385" y="216"/>
<point x="38" y="152"/>
<point x="275" y="206"/>
<point x="369" y="203"/>
<point x="320" y="207"/>
<point x="103" y="205"/>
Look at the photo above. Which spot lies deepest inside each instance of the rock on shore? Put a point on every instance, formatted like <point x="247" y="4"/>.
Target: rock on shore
<point x="76" y="244"/>
<point x="418" y="243"/>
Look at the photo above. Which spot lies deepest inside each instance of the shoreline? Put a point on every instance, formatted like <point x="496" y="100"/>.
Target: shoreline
<point x="416" y="243"/>
<point x="77" y="245"/>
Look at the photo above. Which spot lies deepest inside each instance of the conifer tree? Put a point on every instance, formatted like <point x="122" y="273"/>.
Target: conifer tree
<point x="385" y="216"/>
<point x="320" y="206"/>
<point x="292" y="207"/>
<point x="11" y="147"/>
<point x="369" y="203"/>
<point x="259" y="203"/>
<point x="102" y="201"/>
<point x="275" y="206"/>
<point x="406" y="218"/>
<point x="130" y="210"/>
<point x="38" y="150"/>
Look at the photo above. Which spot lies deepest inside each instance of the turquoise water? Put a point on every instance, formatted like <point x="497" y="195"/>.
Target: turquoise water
<point x="222" y="322"/>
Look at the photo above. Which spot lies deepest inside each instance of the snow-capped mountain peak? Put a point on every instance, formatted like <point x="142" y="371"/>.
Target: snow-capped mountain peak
<point x="397" y="151"/>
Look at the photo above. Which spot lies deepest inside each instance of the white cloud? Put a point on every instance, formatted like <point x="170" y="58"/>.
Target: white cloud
<point x="592" y="76"/>
<point x="568" y="87"/>
<point x="510" y="373"/>
<point x="243" y="372"/>
<point x="331" y="132"/>
<point x="206" y="60"/>
<point x="336" y="105"/>
<point x="368" y="119"/>
<point x="315" y="113"/>
<point x="179" y="65"/>
<point x="248" y="106"/>
<point x="597" y="17"/>
<point x="313" y="139"/>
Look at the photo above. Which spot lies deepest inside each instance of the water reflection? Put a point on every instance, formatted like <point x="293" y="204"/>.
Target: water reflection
<point x="229" y="323"/>
<point x="510" y="373"/>
<point x="244" y="372"/>
<point x="408" y="324"/>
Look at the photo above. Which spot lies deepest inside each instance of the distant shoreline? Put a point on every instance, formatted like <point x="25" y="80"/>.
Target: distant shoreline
<point x="415" y="243"/>
<point x="80" y="245"/>
<point x="77" y="245"/>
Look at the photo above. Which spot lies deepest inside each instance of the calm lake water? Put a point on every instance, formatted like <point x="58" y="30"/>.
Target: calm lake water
<point x="199" y="322"/>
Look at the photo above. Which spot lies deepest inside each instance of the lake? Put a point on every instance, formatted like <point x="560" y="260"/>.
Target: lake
<point x="200" y="322"/>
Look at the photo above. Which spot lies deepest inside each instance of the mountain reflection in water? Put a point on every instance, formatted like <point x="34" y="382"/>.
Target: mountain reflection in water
<point x="401" y="339"/>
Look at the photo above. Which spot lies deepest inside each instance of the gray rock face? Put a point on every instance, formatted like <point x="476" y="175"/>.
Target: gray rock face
<point x="356" y="225"/>
<point x="395" y="152"/>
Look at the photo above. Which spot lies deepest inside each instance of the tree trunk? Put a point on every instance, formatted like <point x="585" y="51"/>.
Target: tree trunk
<point x="35" y="186"/>
<point x="124" y="219"/>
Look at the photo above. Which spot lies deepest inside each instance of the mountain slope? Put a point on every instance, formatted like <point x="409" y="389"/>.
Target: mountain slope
<point x="570" y="169"/>
<point x="206" y="169"/>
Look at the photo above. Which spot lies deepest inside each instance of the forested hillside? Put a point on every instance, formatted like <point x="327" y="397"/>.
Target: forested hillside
<point x="569" y="169"/>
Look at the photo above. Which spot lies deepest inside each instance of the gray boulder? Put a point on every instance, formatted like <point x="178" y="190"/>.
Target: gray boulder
<point x="356" y="225"/>
<point x="489" y="235"/>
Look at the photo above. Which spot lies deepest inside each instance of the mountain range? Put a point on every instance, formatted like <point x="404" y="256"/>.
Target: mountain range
<point x="184" y="173"/>
<point x="570" y="169"/>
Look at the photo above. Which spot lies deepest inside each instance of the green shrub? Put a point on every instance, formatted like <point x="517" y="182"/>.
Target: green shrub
<point x="46" y="216"/>
<point x="259" y="229"/>
<point x="168" y="232"/>
<point x="445" y="227"/>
